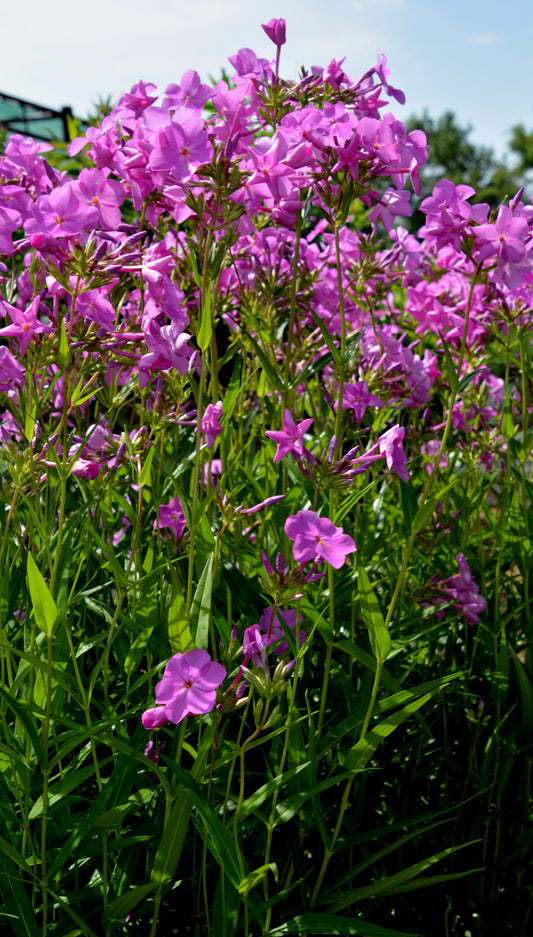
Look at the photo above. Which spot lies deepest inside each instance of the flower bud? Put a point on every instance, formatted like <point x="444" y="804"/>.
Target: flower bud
<point x="276" y="31"/>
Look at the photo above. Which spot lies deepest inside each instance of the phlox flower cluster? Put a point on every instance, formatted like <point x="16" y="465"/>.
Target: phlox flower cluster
<point x="460" y="590"/>
<point x="220" y="216"/>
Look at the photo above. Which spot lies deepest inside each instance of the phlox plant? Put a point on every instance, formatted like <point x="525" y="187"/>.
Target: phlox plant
<point x="265" y="553"/>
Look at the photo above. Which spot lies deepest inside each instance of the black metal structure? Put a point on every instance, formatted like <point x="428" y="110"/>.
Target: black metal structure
<point x="42" y="123"/>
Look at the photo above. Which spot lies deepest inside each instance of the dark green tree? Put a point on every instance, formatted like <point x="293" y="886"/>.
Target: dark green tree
<point x="521" y="145"/>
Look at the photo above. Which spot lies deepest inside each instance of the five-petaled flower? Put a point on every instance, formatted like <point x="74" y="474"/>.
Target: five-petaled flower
<point x="316" y="538"/>
<point x="290" y="438"/>
<point x="188" y="687"/>
<point x="171" y="515"/>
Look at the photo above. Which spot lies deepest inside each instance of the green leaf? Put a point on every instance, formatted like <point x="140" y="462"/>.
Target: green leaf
<point x="108" y="555"/>
<point x="112" y="819"/>
<point x="15" y="902"/>
<point x="271" y="371"/>
<point x="44" y="607"/>
<point x="179" y="633"/>
<point x="423" y="515"/>
<point x="118" y="909"/>
<point x="225" y="908"/>
<point x="219" y="841"/>
<point x="145" y="475"/>
<point x="78" y="397"/>
<point x="380" y="640"/>
<point x="7" y="849"/>
<point x="347" y="726"/>
<point x="30" y="417"/>
<point x="508" y="427"/>
<point x="233" y="391"/>
<point x="409" y="503"/>
<point x="205" y="324"/>
<point x="335" y="354"/>
<point x="201" y="606"/>
<point x="64" y="351"/>
<point x="400" y="882"/>
<point x="256" y="877"/>
<point x="362" y="752"/>
<point x="172" y="840"/>
<point x="406" y="696"/>
<point x="21" y="711"/>
<point x="526" y="698"/>
<point x="332" y="924"/>
<point x="194" y="264"/>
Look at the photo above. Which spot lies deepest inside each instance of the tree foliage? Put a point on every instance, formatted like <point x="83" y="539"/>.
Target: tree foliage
<point x="452" y="155"/>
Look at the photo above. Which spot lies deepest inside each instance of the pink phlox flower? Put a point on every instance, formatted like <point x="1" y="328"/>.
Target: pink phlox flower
<point x="210" y="423"/>
<point x="453" y="198"/>
<point x="151" y="751"/>
<point x="10" y="221"/>
<point x="255" y="644"/>
<point x="25" y="147"/>
<point x="171" y="515"/>
<point x="139" y="98"/>
<point x="106" y="195"/>
<point x="11" y="372"/>
<point x="213" y="469"/>
<point x="188" y="687"/>
<point x="276" y="31"/>
<point x="86" y="468"/>
<point x="62" y="214"/>
<point x="316" y="538"/>
<point x="334" y="74"/>
<point x="464" y="592"/>
<point x="163" y="299"/>
<point x="290" y="438"/>
<point x="267" y="164"/>
<point x="430" y="451"/>
<point x="392" y="204"/>
<point x="25" y="324"/>
<point x="391" y="446"/>
<point x="383" y="72"/>
<point x="189" y="93"/>
<point x="272" y="626"/>
<point x="506" y="238"/>
<point x="94" y="306"/>
<point x="231" y="105"/>
<point x="388" y="446"/>
<point x="357" y="398"/>
<point x="168" y="348"/>
<point x="181" y="145"/>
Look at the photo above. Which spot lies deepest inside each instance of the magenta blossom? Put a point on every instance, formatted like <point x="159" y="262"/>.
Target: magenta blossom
<point x="391" y="446"/>
<point x="25" y="323"/>
<point x="188" y="687"/>
<point x="290" y="438"/>
<point x="357" y="398"/>
<point x="316" y="538"/>
<point x="276" y="31"/>
<point x="255" y="644"/>
<point x="271" y="625"/>
<point x="11" y="372"/>
<point x="463" y="590"/>
<point x="171" y="515"/>
<point x="210" y="424"/>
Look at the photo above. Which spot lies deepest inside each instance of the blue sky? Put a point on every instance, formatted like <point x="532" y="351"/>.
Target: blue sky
<point x="472" y="57"/>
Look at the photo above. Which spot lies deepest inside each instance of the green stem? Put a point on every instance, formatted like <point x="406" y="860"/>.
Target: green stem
<point x="342" y="367"/>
